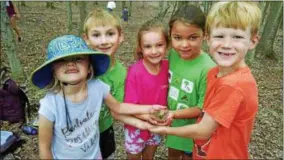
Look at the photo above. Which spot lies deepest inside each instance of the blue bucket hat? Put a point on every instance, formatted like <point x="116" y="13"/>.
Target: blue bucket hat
<point x="65" y="46"/>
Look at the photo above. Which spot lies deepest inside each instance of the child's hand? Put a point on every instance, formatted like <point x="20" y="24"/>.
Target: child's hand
<point x="156" y="108"/>
<point x="161" y="118"/>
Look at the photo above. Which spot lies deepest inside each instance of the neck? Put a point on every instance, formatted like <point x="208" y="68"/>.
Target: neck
<point x="223" y="71"/>
<point x="112" y="61"/>
<point x="152" y="68"/>
<point x="75" y="93"/>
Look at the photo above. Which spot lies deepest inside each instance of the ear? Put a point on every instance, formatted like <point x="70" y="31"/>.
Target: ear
<point x="85" y="37"/>
<point x="254" y="41"/>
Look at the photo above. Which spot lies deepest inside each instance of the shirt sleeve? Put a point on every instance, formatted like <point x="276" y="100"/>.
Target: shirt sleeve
<point x="225" y="104"/>
<point x="202" y="88"/>
<point x="131" y="88"/>
<point x="105" y="88"/>
<point x="47" y="109"/>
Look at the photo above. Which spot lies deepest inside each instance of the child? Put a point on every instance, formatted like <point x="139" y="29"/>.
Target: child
<point x="14" y="15"/>
<point x="147" y="83"/>
<point x="103" y="32"/>
<point x="69" y="113"/>
<point x="223" y="130"/>
<point x="188" y="69"/>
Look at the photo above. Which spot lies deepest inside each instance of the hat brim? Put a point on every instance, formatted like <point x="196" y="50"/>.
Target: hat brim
<point x="43" y="75"/>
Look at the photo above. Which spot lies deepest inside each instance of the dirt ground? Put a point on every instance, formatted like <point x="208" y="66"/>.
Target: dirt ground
<point x="39" y="25"/>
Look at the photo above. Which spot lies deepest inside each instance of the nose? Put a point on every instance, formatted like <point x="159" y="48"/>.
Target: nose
<point x="70" y="63"/>
<point x="227" y="43"/>
<point x="154" y="50"/>
<point x="185" y="44"/>
<point x="103" y="39"/>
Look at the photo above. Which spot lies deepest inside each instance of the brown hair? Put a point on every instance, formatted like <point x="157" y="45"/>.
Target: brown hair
<point x="151" y="25"/>
<point x="188" y="14"/>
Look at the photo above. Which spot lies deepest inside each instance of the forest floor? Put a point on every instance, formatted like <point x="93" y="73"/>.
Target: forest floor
<point x="39" y="25"/>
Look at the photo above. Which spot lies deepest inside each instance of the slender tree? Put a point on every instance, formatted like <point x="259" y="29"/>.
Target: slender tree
<point x="50" y="5"/>
<point x="83" y="13"/>
<point x="69" y="15"/>
<point x="265" y="46"/>
<point x="130" y="8"/>
<point x="8" y="42"/>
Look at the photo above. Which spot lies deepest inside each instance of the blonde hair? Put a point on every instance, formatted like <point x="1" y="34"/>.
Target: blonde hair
<point x="151" y="25"/>
<point x="56" y="86"/>
<point x="101" y="17"/>
<point x="238" y="15"/>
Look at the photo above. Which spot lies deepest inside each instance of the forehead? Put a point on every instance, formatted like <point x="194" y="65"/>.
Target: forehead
<point x="223" y="30"/>
<point x="103" y="28"/>
<point x="184" y="29"/>
<point x="152" y="35"/>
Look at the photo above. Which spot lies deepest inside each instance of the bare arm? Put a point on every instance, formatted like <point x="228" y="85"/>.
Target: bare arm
<point x="16" y="10"/>
<point x="202" y="130"/>
<point x="131" y="120"/>
<point x="45" y="137"/>
<point x="127" y="108"/>
<point x="192" y="112"/>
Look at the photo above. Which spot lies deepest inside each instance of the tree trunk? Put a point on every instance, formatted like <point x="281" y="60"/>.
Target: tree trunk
<point x="83" y="14"/>
<point x="123" y="5"/>
<point x="174" y="8"/>
<point x="50" y="5"/>
<point x="161" y="6"/>
<point x="8" y="42"/>
<point x="130" y="8"/>
<point x="69" y="15"/>
<point x="23" y="3"/>
<point x="265" y="46"/>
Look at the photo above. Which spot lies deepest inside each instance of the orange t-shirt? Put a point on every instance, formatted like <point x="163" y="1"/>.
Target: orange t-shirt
<point x="232" y="101"/>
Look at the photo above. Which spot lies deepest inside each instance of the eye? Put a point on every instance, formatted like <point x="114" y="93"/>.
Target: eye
<point x="160" y="45"/>
<point x="95" y="35"/>
<point x="78" y="59"/>
<point x="218" y="36"/>
<point x="238" y="37"/>
<point x="146" y="46"/>
<point x="193" y="38"/>
<point x="111" y="33"/>
<point x="177" y="37"/>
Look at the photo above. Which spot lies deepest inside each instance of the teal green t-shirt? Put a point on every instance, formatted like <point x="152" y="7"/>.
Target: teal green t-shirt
<point x="115" y="79"/>
<point x="187" y="86"/>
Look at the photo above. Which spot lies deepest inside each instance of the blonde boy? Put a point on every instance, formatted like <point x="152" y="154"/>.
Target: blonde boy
<point x="223" y="130"/>
<point x="102" y="31"/>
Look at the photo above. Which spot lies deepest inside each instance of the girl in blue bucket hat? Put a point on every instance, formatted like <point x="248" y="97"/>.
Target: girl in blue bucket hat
<point x="69" y="112"/>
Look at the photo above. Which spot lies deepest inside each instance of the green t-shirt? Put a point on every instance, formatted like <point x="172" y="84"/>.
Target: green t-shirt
<point x="187" y="85"/>
<point x="115" y="79"/>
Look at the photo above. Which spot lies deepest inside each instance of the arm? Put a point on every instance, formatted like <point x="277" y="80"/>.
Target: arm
<point x="45" y="137"/>
<point x="192" y="112"/>
<point x="127" y="108"/>
<point x="130" y="120"/>
<point x="16" y="10"/>
<point x="202" y="130"/>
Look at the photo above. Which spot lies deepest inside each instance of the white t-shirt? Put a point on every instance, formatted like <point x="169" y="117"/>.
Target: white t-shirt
<point x="83" y="142"/>
<point x="111" y="5"/>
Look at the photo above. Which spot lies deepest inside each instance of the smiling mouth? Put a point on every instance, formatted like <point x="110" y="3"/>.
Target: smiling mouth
<point x="226" y="54"/>
<point x="72" y="71"/>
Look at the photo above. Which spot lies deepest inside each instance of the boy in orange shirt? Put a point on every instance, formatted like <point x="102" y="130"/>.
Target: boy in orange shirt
<point x="224" y="128"/>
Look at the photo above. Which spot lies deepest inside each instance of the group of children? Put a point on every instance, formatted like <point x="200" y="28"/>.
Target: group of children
<point x="212" y="104"/>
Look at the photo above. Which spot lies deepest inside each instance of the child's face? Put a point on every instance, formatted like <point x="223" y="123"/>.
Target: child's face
<point x="186" y="40"/>
<point x="229" y="46"/>
<point x="153" y="46"/>
<point x="104" y="38"/>
<point x="72" y="69"/>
